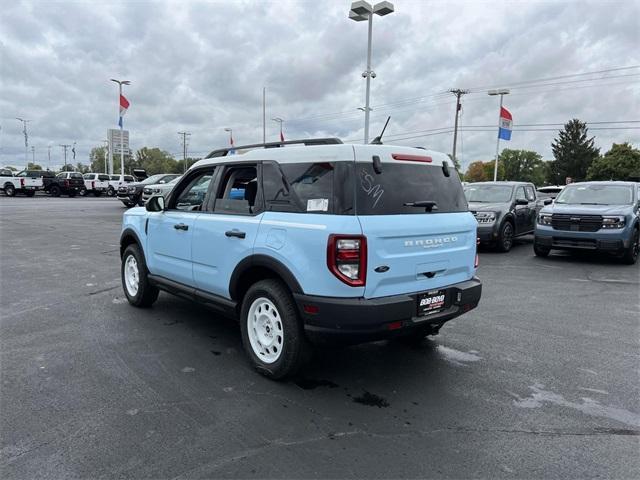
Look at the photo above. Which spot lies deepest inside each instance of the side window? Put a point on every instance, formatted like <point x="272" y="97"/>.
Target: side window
<point x="128" y="179"/>
<point x="103" y="178"/>
<point x="191" y="197"/>
<point x="277" y="196"/>
<point x="238" y="190"/>
<point x="61" y="175"/>
<point x="22" y="174"/>
<point x="531" y="195"/>
<point x="520" y="194"/>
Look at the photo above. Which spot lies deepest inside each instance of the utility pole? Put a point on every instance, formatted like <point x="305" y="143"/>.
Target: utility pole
<point x="184" y="147"/>
<point x="48" y="157"/>
<point x="65" y="155"/>
<point x="458" y="93"/>
<point x="33" y="153"/>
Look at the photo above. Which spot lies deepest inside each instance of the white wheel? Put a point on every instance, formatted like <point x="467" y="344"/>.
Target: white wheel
<point x="131" y="275"/>
<point x="264" y="329"/>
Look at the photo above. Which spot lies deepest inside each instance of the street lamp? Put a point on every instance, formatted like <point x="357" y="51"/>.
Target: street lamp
<point x="502" y="92"/>
<point x="120" y="83"/>
<point x="279" y="121"/>
<point x="361" y="11"/>
<point x="26" y="138"/>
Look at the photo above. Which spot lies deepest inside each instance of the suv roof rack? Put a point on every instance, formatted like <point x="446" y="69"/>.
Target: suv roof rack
<point x="223" y="152"/>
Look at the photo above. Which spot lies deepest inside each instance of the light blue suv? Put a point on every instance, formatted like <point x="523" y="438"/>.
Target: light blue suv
<point x="312" y="243"/>
<point x="599" y="216"/>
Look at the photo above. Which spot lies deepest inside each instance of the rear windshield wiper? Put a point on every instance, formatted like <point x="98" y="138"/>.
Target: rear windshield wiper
<point x="428" y="205"/>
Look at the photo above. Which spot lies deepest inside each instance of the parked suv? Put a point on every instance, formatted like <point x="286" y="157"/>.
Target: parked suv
<point x="158" y="189"/>
<point x="131" y="194"/>
<point x="602" y="216"/>
<point x="504" y="210"/>
<point x="96" y="183"/>
<point x="310" y="244"/>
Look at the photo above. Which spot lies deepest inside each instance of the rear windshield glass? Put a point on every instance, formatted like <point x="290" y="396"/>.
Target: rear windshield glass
<point x="75" y="175"/>
<point x="596" y="195"/>
<point x="103" y="178"/>
<point x="389" y="192"/>
<point x="488" y="193"/>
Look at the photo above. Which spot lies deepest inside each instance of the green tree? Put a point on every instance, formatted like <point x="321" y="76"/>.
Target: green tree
<point x="82" y="168"/>
<point x="573" y="152"/>
<point x="68" y="168"/>
<point x="522" y="166"/>
<point x="97" y="158"/>
<point x="13" y="169"/>
<point x="33" y="166"/>
<point x="622" y="162"/>
<point x="475" y="172"/>
<point x="489" y="168"/>
<point x="154" y="160"/>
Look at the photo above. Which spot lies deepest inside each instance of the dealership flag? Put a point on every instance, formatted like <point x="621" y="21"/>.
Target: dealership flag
<point x="124" y="104"/>
<point x="233" y="148"/>
<point x="504" y="131"/>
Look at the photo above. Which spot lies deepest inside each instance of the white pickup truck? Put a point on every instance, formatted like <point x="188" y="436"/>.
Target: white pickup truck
<point x="117" y="181"/>
<point x="96" y="183"/>
<point x="27" y="182"/>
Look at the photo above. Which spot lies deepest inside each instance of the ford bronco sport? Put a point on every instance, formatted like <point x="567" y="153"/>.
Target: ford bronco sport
<point x="316" y="242"/>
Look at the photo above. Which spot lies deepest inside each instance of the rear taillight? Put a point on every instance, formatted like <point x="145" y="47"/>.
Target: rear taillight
<point x="93" y="185"/>
<point x="66" y="183"/>
<point x="22" y="182"/>
<point x="347" y="258"/>
<point x="477" y="260"/>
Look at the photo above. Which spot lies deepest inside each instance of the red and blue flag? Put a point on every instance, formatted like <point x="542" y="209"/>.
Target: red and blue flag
<point x="506" y="122"/>
<point x="124" y="105"/>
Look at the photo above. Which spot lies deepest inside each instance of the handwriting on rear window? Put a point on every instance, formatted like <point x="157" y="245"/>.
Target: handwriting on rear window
<point x="370" y="187"/>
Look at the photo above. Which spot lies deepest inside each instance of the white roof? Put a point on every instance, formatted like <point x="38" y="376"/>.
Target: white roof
<point x="329" y="153"/>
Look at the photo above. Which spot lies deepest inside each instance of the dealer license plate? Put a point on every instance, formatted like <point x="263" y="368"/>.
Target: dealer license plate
<point x="431" y="302"/>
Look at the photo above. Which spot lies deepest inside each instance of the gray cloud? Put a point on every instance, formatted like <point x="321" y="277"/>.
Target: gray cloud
<point x="201" y="66"/>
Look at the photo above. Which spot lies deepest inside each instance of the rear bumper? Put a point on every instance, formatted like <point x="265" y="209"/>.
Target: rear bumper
<point x="355" y="320"/>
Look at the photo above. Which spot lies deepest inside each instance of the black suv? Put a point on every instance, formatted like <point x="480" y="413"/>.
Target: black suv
<point x="504" y="210"/>
<point x="131" y="194"/>
<point x="65" y="183"/>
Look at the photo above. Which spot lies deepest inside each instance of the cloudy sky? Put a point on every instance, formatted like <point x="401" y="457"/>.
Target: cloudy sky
<point x="201" y="67"/>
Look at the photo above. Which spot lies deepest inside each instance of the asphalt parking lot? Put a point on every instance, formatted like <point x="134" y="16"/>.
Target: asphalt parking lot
<point x="540" y="381"/>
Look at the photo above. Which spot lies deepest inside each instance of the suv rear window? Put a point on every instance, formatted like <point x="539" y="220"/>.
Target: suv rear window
<point x="388" y="192"/>
<point x="103" y="178"/>
<point x="75" y="175"/>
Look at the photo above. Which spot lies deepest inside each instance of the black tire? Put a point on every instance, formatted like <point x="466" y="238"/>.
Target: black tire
<point x="55" y="191"/>
<point x="505" y="239"/>
<point x="146" y="293"/>
<point x="128" y="204"/>
<point x="82" y="192"/>
<point x="96" y="193"/>
<point x="540" y="251"/>
<point x="111" y="192"/>
<point x="630" y="255"/>
<point x="294" y="349"/>
<point x="10" y="190"/>
<point x="30" y="193"/>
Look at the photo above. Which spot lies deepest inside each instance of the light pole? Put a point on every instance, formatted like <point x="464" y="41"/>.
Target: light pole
<point x="361" y="11"/>
<point x="106" y="155"/>
<point x="502" y="92"/>
<point x="48" y="157"/>
<point x="279" y="121"/>
<point x="65" y="146"/>
<point x="33" y="152"/>
<point x="26" y="138"/>
<point x="120" y="112"/>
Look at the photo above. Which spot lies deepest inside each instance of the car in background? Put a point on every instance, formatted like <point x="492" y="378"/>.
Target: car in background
<point x="115" y="181"/>
<point x="592" y="216"/>
<point x="96" y="183"/>
<point x="504" y="211"/>
<point x="550" y="191"/>
<point x="30" y="182"/>
<point x="65" y="183"/>
<point x="159" y="189"/>
<point x="131" y="195"/>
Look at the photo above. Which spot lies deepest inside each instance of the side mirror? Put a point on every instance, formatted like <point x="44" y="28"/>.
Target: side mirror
<point x="522" y="201"/>
<point x="155" y="204"/>
<point x="548" y="201"/>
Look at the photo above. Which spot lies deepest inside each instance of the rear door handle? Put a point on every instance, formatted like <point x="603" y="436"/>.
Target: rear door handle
<point x="181" y="226"/>
<point x="235" y="233"/>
